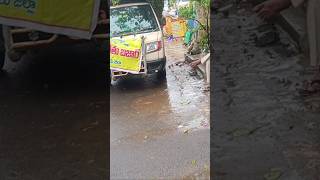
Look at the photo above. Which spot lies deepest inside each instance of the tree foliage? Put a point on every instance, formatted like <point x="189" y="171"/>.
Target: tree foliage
<point x="203" y="3"/>
<point x="187" y="12"/>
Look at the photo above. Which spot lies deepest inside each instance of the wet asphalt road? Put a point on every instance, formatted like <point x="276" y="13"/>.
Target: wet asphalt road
<point x="160" y="129"/>
<point x="53" y="117"/>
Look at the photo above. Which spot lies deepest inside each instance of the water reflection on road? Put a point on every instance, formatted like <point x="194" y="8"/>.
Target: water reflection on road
<point x="148" y="115"/>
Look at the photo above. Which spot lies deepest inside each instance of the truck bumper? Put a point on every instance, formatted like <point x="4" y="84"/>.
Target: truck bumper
<point x="152" y="67"/>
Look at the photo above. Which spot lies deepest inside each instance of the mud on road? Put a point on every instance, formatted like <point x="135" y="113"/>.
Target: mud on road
<point x="160" y="129"/>
<point x="262" y="127"/>
<point x="53" y="117"/>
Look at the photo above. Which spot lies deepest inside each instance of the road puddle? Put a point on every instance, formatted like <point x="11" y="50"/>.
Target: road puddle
<point x="181" y="101"/>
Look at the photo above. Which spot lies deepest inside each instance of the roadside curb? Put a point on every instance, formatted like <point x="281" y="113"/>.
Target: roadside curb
<point x="293" y="21"/>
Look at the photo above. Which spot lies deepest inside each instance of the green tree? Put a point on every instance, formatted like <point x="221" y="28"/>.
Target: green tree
<point x="203" y="16"/>
<point x="172" y="3"/>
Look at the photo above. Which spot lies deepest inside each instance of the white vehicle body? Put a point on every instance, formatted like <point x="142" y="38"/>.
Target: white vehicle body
<point x="153" y="38"/>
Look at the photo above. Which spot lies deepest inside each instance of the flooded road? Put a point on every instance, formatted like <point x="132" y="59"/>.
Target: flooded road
<point x="160" y="129"/>
<point x="53" y="117"/>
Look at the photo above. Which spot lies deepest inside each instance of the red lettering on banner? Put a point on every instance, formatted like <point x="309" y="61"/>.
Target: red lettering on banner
<point x="114" y="50"/>
<point x="125" y="52"/>
<point x="122" y="52"/>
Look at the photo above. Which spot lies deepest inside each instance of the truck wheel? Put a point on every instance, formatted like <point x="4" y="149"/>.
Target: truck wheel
<point x="162" y="74"/>
<point x="112" y="79"/>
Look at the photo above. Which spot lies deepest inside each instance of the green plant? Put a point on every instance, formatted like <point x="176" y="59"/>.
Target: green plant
<point x="203" y="3"/>
<point x="204" y="7"/>
<point x="186" y="12"/>
<point x="172" y="3"/>
<point x="204" y="42"/>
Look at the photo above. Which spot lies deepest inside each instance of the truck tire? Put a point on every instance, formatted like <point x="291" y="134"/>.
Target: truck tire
<point x="110" y="78"/>
<point x="2" y="50"/>
<point x="162" y="74"/>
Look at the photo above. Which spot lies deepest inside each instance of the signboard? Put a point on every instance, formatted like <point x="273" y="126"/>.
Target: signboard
<point x="175" y="27"/>
<point x="125" y="54"/>
<point x="69" y="17"/>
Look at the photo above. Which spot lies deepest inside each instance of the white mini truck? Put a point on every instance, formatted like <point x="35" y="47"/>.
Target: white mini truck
<point x="140" y="21"/>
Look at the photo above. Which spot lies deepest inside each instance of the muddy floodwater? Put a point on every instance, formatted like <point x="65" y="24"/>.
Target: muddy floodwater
<point x="160" y="128"/>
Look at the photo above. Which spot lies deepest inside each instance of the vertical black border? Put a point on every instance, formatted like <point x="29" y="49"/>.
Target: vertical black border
<point x="212" y="54"/>
<point x="108" y="93"/>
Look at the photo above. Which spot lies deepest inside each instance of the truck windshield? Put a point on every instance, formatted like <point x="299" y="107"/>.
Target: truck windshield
<point x="132" y="20"/>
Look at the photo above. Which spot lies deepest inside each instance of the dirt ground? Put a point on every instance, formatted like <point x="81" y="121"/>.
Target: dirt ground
<point x="262" y="127"/>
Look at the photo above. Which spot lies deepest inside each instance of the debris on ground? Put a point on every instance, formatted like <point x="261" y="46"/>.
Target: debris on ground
<point x="274" y="174"/>
<point x="266" y="37"/>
